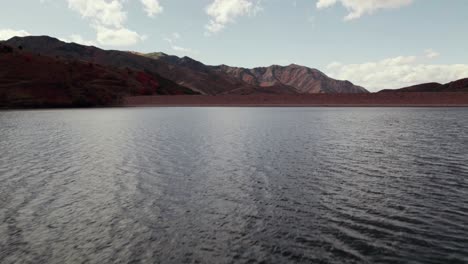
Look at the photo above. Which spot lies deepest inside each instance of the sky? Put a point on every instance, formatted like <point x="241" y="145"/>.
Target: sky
<point x="377" y="44"/>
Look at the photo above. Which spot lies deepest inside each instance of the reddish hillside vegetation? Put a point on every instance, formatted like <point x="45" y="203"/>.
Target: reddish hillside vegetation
<point x="33" y="80"/>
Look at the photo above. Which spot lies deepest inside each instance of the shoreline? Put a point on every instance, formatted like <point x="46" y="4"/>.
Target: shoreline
<point x="289" y="105"/>
<point x="413" y="100"/>
<point x="314" y="100"/>
<point x="230" y="106"/>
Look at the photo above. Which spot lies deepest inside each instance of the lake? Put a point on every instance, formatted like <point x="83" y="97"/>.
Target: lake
<point x="234" y="185"/>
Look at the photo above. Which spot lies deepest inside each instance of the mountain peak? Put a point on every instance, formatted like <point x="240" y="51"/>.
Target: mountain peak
<point x="188" y="59"/>
<point x="155" y="55"/>
<point x="42" y="39"/>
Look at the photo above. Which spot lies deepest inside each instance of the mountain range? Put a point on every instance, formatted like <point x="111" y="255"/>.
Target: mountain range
<point x="210" y="80"/>
<point x="44" y="71"/>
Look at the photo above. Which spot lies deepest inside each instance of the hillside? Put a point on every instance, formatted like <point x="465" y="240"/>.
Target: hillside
<point x="34" y="80"/>
<point x="456" y="86"/>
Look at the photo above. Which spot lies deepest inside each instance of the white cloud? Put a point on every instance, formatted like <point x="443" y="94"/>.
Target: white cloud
<point x="223" y="12"/>
<point x="397" y="72"/>
<point x="117" y="37"/>
<point x="107" y="13"/>
<point x="173" y="39"/>
<point x="176" y="35"/>
<point x="108" y="18"/>
<point x="6" y="34"/>
<point x="430" y="53"/>
<point x="181" y="49"/>
<point x="75" y="38"/>
<point x="358" y="8"/>
<point x="80" y="40"/>
<point x="152" y="7"/>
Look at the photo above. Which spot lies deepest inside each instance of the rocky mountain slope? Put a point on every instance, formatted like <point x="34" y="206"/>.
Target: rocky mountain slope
<point x="301" y="79"/>
<point x="292" y="79"/>
<point x="211" y="80"/>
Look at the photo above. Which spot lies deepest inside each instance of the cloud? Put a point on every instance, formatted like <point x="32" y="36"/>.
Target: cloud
<point x="173" y="39"/>
<point x="397" y="72"/>
<point x="107" y="13"/>
<point x="152" y="7"/>
<point x="108" y="18"/>
<point x="6" y="34"/>
<point x="223" y="12"/>
<point x="358" y="8"/>
<point x="75" y="38"/>
<point x="117" y="37"/>
<point x="430" y="54"/>
<point x="181" y="49"/>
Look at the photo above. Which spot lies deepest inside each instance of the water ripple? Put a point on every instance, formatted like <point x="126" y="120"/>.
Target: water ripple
<point x="234" y="185"/>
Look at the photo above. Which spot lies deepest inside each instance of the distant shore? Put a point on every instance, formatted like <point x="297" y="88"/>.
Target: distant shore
<point x="409" y="99"/>
<point x="322" y="100"/>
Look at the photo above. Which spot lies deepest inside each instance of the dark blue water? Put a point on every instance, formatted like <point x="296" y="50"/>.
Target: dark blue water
<point x="234" y="185"/>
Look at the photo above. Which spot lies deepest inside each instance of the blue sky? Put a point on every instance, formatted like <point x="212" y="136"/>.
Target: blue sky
<point x="375" y="43"/>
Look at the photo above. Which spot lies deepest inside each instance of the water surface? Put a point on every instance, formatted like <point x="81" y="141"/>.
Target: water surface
<point x="234" y="185"/>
